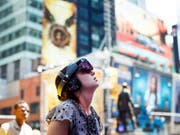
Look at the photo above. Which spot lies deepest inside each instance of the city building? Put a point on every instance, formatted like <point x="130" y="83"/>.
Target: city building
<point x="135" y="55"/>
<point x="20" y="50"/>
<point x="20" y="37"/>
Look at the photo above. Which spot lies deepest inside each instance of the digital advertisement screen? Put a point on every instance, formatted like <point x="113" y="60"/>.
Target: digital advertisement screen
<point x="59" y="32"/>
<point x="141" y="35"/>
<point x="152" y="89"/>
<point x="177" y="97"/>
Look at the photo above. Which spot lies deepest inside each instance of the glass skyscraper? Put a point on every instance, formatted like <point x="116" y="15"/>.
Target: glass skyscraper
<point x="20" y="37"/>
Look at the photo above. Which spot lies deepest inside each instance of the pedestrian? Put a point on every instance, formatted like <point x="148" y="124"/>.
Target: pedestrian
<point x="124" y="106"/>
<point x="18" y="126"/>
<point x="75" y="115"/>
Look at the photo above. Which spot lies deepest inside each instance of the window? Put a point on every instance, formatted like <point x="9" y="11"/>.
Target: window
<point x="83" y="39"/>
<point x="38" y="90"/>
<point x="22" y="93"/>
<point x="83" y="2"/>
<point x="4" y="71"/>
<point x="6" y="111"/>
<point x="34" y="108"/>
<point x="16" y="69"/>
<point x="83" y="25"/>
<point x="83" y="12"/>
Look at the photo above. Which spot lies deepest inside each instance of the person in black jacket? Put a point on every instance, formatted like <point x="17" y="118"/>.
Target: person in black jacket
<point x="124" y="106"/>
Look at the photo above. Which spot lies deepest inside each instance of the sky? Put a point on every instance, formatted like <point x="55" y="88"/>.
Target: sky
<point x="163" y="9"/>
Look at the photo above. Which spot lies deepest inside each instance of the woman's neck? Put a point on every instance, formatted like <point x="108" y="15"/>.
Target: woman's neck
<point x="85" y="100"/>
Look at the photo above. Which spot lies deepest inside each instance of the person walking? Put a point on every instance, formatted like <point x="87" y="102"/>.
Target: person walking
<point x="124" y="106"/>
<point x="75" y="115"/>
<point x="18" y="126"/>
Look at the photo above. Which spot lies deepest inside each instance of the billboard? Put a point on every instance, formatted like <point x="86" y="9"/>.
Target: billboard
<point x="176" y="96"/>
<point x="141" y="35"/>
<point x="59" y="32"/>
<point x="152" y="89"/>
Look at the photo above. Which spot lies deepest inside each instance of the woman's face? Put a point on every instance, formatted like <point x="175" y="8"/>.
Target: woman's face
<point x="88" y="80"/>
<point x="153" y="84"/>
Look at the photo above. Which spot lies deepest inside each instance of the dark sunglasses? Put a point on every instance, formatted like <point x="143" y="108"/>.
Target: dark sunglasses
<point x="84" y="65"/>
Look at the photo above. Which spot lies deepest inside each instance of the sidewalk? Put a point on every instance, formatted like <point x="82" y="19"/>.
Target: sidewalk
<point x="167" y="130"/>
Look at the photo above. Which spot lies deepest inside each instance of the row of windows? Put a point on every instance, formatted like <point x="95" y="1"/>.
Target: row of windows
<point x="83" y="3"/>
<point x="36" y="4"/>
<point x="34" y="18"/>
<point x="3" y="69"/>
<point x="8" y="24"/>
<point x="97" y="18"/>
<point x="83" y="13"/>
<point x="2" y="2"/>
<point x="12" y="8"/>
<point x="16" y="6"/>
<point x="19" y="19"/>
<point x="19" y="48"/>
<point x="97" y="5"/>
<point x="21" y="32"/>
<point x="34" y="107"/>
<point x="16" y="73"/>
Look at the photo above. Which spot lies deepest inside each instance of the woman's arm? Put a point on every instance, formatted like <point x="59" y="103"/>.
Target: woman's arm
<point x="58" y="128"/>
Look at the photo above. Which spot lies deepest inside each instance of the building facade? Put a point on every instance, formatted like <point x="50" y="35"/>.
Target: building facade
<point x="21" y="42"/>
<point x="20" y="37"/>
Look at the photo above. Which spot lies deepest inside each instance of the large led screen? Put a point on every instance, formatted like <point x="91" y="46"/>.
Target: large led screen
<point x="59" y="32"/>
<point x="141" y="35"/>
<point x="177" y="97"/>
<point x="152" y="89"/>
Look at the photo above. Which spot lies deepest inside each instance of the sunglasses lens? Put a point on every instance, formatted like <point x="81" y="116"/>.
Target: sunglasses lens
<point x="85" y="66"/>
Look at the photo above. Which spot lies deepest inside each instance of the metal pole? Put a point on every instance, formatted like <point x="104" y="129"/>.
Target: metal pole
<point x="43" y="112"/>
<point x="107" y="45"/>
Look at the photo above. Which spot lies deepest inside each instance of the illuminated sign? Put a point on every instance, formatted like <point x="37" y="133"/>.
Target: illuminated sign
<point x="59" y="32"/>
<point x="141" y="35"/>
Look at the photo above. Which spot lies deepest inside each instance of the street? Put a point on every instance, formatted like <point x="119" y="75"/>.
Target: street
<point x="166" y="130"/>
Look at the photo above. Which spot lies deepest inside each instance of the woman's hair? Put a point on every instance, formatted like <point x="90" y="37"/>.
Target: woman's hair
<point x="66" y="92"/>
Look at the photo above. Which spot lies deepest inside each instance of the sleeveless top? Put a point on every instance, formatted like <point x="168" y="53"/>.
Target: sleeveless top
<point x="80" y="122"/>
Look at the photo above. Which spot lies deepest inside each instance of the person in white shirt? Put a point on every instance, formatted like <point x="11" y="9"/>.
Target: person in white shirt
<point x="18" y="126"/>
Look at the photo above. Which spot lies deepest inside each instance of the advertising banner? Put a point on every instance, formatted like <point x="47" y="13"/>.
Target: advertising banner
<point x="176" y="97"/>
<point x="59" y="32"/>
<point x="141" y="35"/>
<point x="152" y="89"/>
